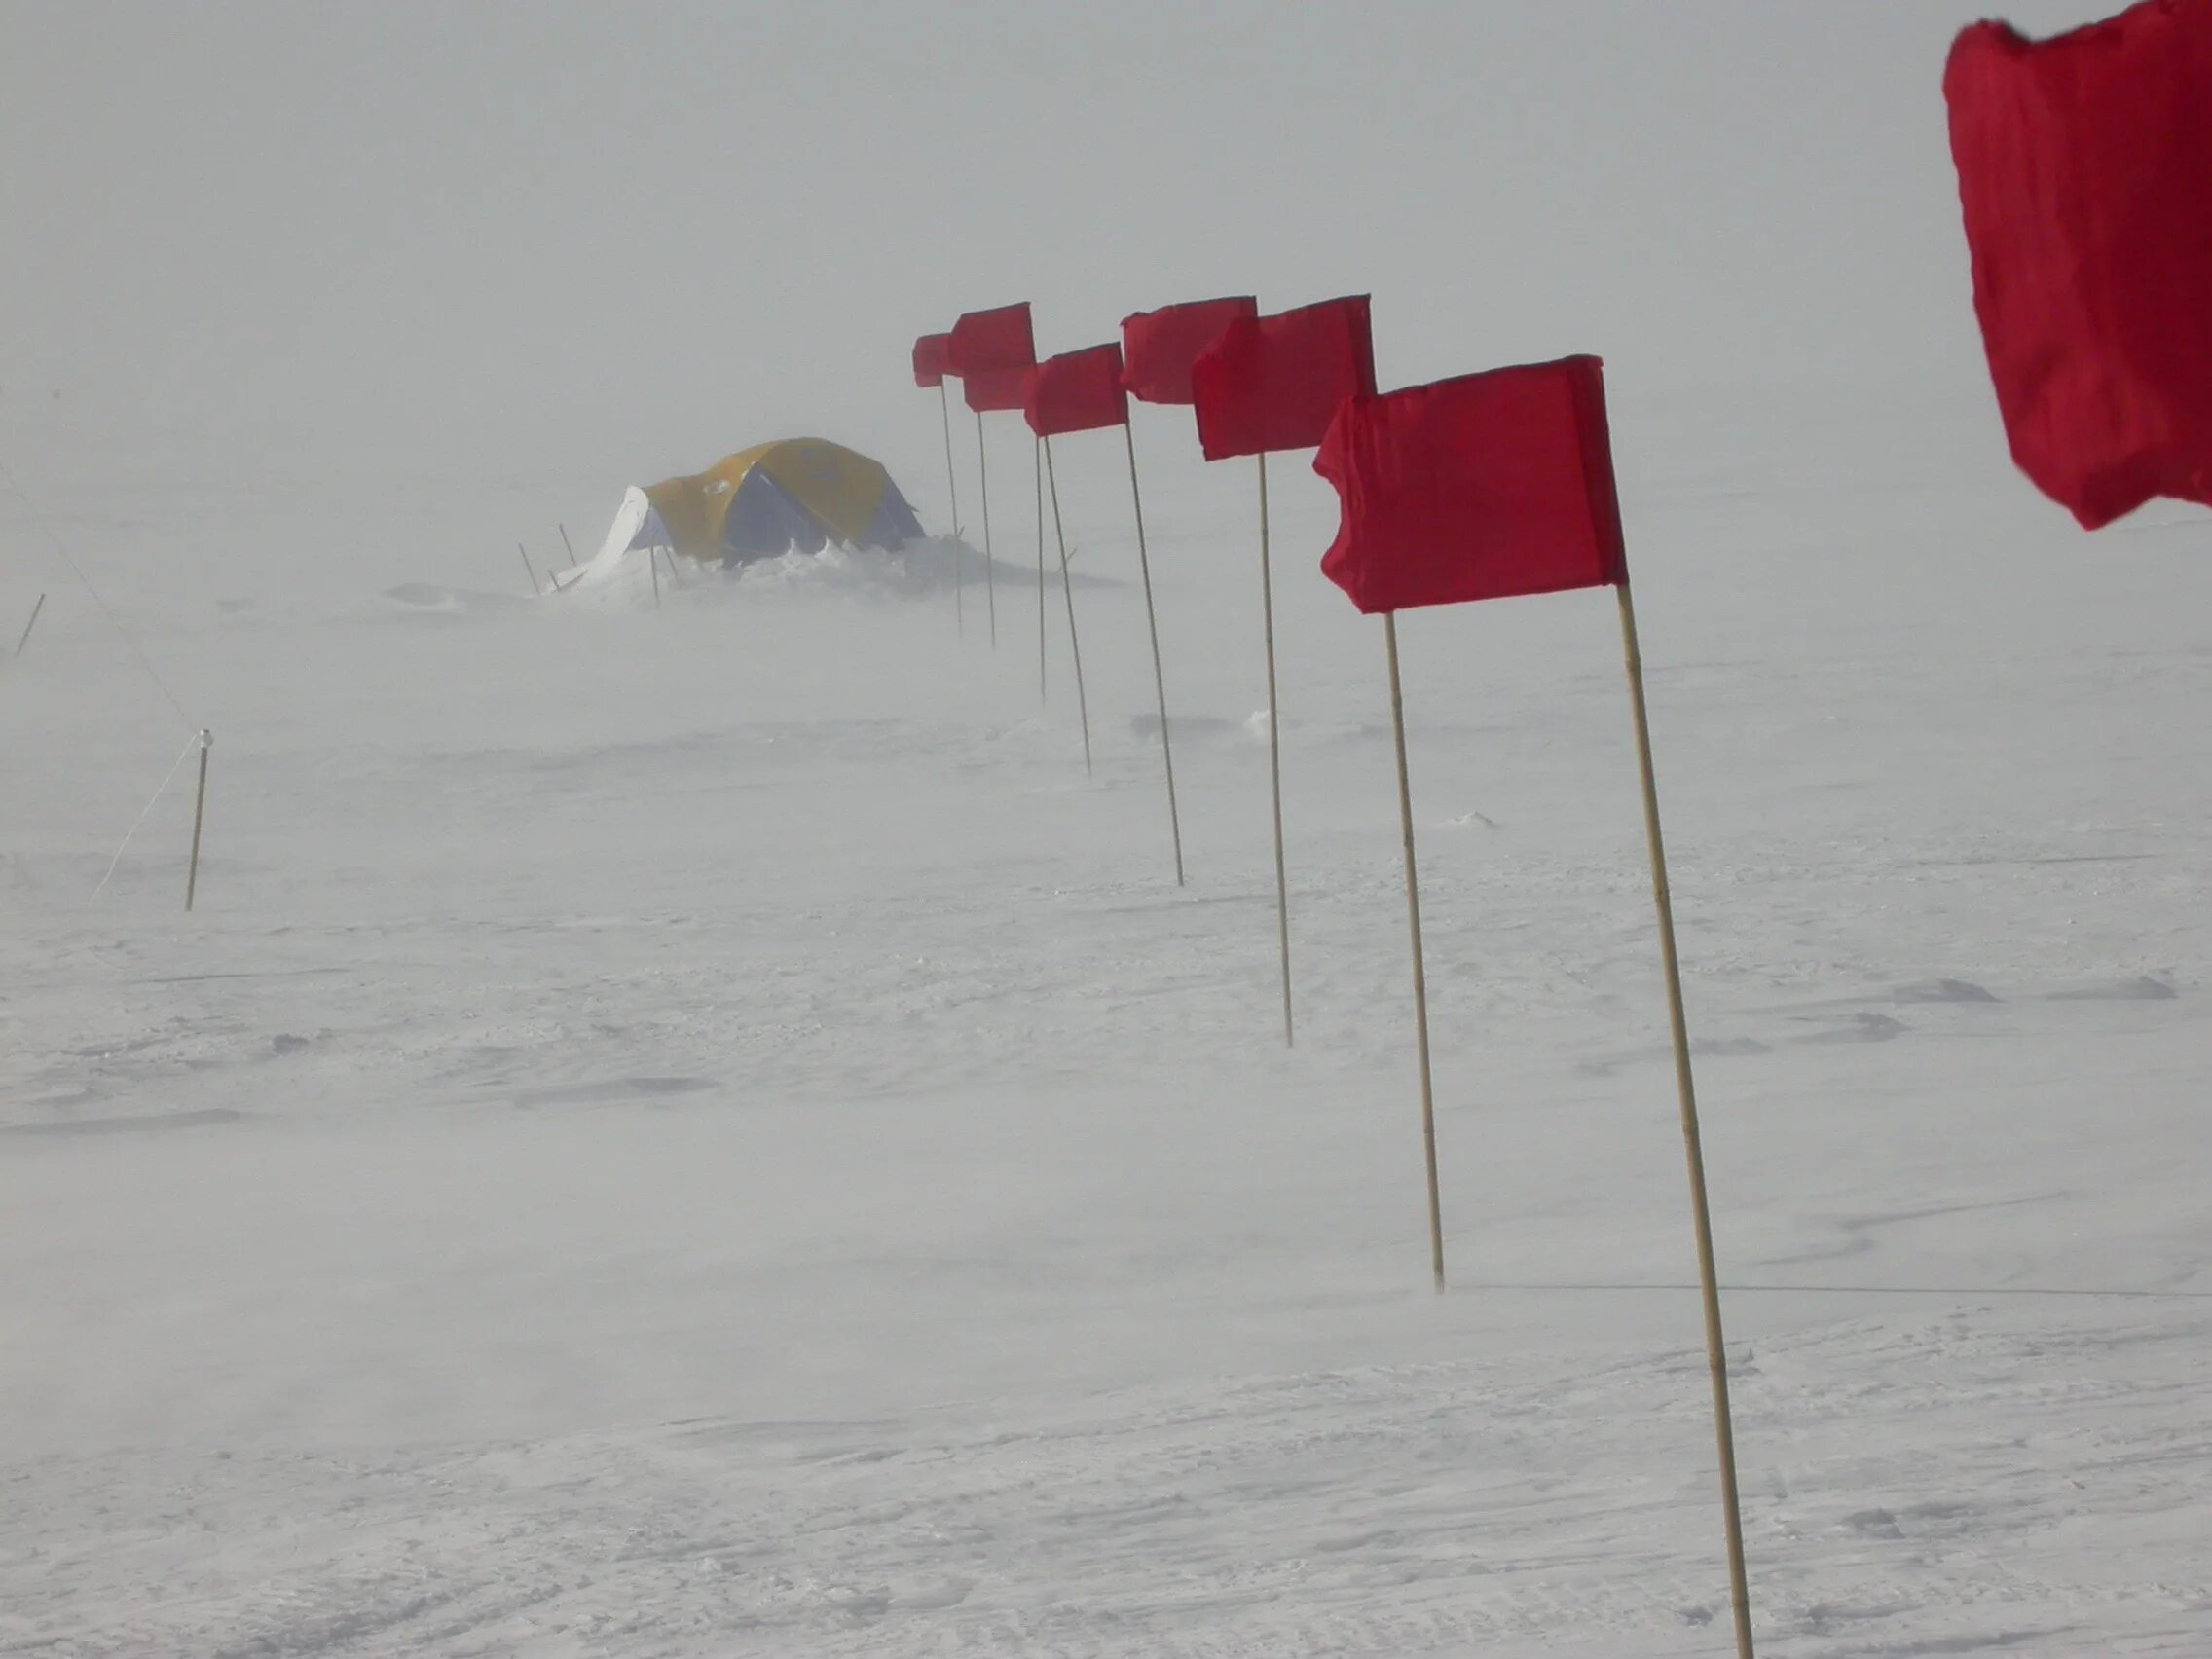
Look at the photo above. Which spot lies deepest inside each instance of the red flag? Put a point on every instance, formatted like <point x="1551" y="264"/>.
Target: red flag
<point x="1481" y="487"/>
<point x="987" y="389"/>
<point x="997" y="339"/>
<point x="2085" y="175"/>
<point x="1077" y="391"/>
<point x="931" y="356"/>
<point x="1161" y="345"/>
<point x="1273" y="383"/>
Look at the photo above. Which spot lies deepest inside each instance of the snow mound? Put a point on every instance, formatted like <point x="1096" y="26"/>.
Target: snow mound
<point x="626" y="578"/>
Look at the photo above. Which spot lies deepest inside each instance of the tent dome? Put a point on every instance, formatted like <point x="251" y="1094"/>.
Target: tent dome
<point x="796" y="493"/>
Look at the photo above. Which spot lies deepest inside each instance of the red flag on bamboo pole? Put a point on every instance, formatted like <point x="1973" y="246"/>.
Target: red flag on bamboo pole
<point x="1481" y="487"/>
<point x="933" y="357"/>
<point x="1081" y="391"/>
<point x="1484" y="486"/>
<point x="2084" y="162"/>
<point x="991" y="390"/>
<point x="1162" y="345"/>
<point x="1273" y="383"/>
<point x="996" y="339"/>
<point x="1077" y="391"/>
<point x="930" y="354"/>
<point x="991" y="351"/>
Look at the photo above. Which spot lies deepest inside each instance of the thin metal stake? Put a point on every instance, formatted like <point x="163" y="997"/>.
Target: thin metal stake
<point x="526" y="565"/>
<point x="25" y="637"/>
<point x="198" y="818"/>
<point x="1701" y="1215"/>
<point x="1420" y="967"/>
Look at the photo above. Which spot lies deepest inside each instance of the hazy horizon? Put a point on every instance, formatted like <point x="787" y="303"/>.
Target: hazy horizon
<point x="374" y="243"/>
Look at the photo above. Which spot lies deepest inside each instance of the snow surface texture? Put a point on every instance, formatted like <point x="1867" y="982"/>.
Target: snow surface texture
<point x="701" y="1132"/>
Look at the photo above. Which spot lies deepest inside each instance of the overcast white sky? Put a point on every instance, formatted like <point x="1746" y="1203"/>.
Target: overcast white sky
<point x="461" y="235"/>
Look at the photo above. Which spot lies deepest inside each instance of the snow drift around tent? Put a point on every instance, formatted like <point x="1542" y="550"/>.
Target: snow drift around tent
<point x="796" y="494"/>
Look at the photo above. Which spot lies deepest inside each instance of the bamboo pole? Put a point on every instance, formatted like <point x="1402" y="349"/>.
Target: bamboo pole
<point x="951" y="479"/>
<point x="1275" y="755"/>
<point x="24" y="638"/>
<point x="526" y="565"/>
<point x="1159" y="677"/>
<point x="1701" y="1215"/>
<point x="1421" y="969"/>
<point x="1067" y="590"/>
<point x="198" y="818"/>
<point x="990" y="585"/>
<point x="960" y="567"/>
<point x="1037" y="460"/>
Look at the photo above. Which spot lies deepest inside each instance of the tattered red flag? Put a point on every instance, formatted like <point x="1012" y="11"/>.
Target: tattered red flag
<point x="932" y="358"/>
<point x="986" y="339"/>
<point x="1077" y="391"/>
<point x="989" y="390"/>
<point x="2085" y="175"/>
<point x="1483" y="487"/>
<point x="1162" y="345"/>
<point x="1273" y="383"/>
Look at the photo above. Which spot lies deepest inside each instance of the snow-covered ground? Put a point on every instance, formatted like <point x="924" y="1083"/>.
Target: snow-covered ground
<point x="701" y="1131"/>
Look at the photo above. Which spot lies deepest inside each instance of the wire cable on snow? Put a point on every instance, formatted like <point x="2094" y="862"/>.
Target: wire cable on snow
<point x="197" y="740"/>
<point x="46" y="529"/>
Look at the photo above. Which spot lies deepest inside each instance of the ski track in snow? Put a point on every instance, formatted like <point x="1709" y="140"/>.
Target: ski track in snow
<point x="1921" y="1489"/>
<point x="705" y="1133"/>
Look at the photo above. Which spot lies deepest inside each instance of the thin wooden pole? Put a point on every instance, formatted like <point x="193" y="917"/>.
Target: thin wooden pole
<point x="990" y="585"/>
<point x="570" y="545"/>
<point x="1275" y="755"/>
<point x="1701" y="1215"/>
<point x="526" y="565"/>
<point x="1159" y="677"/>
<point x="198" y="818"/>
<point x="1067" y="590"/>
<point x="1420" y="967"/>
<point x="1037" y="459"/>
<point x="24" y="638"/>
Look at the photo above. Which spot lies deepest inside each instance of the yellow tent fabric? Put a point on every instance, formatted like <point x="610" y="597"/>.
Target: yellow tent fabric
<point x="693" y="517"/>
<point x="842" y="492"/>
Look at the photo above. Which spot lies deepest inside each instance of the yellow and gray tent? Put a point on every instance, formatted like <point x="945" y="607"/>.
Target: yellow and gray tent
<point x="796" y="494"/>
